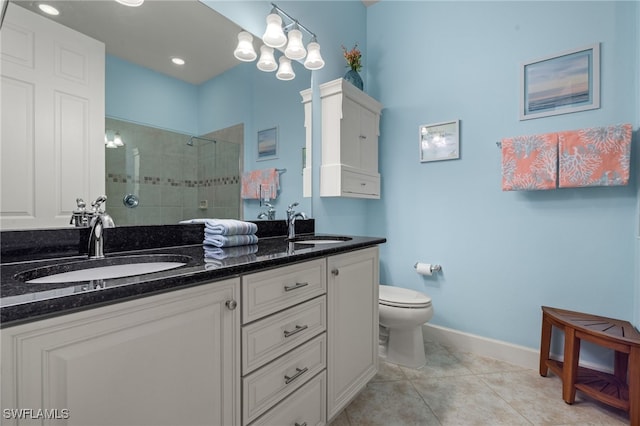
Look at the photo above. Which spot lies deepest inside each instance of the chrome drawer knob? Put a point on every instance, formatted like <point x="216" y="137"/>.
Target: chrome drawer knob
<point x="231" y="304"/>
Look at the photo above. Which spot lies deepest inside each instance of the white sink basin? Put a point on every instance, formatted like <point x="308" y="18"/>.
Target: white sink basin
<point x="102" y="269"/>
<point x="106" y="272"/>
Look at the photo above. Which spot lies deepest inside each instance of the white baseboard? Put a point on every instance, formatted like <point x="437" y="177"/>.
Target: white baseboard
<point x="496" y="349"/>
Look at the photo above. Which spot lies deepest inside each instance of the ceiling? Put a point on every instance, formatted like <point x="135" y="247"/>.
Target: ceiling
<point x="149" y="35"/>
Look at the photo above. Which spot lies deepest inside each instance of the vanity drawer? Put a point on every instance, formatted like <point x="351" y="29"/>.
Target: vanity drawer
<point x="267" y="292"/>
<point x="265" y="387"/>
<point x="267" y="339"/>
<point x="360" y="183"/>
<point x="306" y="406"/>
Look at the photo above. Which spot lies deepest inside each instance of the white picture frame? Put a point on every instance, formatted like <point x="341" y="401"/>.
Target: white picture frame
<point x="439" y="141"/>
<point x="560" y="84"/>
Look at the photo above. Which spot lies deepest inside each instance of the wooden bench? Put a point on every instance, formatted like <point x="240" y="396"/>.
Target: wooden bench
<point x="620" y="389"/>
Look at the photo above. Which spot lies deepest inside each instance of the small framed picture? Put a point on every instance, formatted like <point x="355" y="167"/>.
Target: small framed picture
<point x="560" y="84"/>
<point x="440" y="141"/>
<point x="268" y="144"/>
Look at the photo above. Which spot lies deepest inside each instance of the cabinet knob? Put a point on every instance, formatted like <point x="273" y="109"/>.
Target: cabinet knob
<point x="231" y="304"/>
<point x="335" y="272"/>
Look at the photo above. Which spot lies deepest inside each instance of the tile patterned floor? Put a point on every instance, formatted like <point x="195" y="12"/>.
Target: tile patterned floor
<point x="465" y="389"/>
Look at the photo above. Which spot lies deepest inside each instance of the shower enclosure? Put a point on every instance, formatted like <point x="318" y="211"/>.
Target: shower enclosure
<point x="161" y="177"/>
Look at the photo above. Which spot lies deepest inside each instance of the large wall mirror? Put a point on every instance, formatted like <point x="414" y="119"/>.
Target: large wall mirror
<point x="191" y="166"/>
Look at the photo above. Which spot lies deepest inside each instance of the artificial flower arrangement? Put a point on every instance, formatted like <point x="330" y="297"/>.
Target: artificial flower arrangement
<point x="353" y="57"/>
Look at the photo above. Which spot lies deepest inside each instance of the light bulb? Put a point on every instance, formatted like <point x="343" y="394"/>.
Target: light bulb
<point x="314" y="60"/>
<point x="285" y="71"/>
<point x="273" y="35"/>
<point x="132" y="3"/>
<point x="245" y="51"/>
<point x="295" y="49"/>
<point x="267" y="61"/>
<point x="117" y="140"/>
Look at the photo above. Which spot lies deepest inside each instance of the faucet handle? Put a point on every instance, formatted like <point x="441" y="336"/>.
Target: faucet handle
<point x="96" y="204"/>
<point x="291" y="206"/>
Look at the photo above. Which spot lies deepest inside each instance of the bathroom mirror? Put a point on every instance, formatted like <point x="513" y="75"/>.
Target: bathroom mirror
<point x="208" y="40"/>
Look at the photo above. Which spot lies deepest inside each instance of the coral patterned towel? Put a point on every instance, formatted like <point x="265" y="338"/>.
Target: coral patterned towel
<point x="599" y="156"/>
<point x="258" y="184"/>
<point x="530" y="162"/>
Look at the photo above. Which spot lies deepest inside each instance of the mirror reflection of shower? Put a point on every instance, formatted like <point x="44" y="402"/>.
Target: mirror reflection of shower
<point x="174" y="176"/>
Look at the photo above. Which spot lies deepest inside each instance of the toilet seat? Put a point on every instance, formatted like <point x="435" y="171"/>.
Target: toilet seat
<point x="402" y="297"/>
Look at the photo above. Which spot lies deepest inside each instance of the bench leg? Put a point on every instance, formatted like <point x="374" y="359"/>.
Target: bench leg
<point x="620" y="366"/>
<point x="570" y="366"/>
<point x="634" y="386"/>
<point x="545" y="345"/>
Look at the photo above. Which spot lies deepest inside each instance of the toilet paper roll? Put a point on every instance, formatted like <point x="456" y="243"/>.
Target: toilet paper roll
<point x="424" y="268"/>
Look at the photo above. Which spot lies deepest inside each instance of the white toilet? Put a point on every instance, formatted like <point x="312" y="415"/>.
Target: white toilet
<point x="402" y="313"/>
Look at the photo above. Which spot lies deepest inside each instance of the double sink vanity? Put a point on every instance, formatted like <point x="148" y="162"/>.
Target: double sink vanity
<point x="283" y="334"/>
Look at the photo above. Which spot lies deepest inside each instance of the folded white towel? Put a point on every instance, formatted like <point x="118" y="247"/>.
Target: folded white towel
<point x="226" y="226"/>
<point x="229" y="240"/>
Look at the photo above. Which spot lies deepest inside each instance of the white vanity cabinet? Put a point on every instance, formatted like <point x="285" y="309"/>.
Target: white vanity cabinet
<point x="169" y="359"/>
<point x="350" y="130"/>
<point x="352" y="325"/>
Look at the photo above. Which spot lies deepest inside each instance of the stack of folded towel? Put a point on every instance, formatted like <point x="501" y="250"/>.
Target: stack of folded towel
<point x="227" y="232"/>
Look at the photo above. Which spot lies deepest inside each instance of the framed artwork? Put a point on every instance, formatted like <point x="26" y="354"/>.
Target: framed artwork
<point x="268" y="144"/>
<point x="440" y="141"/>
<point x="560" y="84"/>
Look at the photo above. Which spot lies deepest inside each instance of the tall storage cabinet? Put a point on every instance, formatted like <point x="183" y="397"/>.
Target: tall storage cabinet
<point x="350" y="130"/>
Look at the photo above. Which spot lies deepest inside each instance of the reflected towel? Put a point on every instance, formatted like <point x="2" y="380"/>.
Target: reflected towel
<point x="599" y="156"/>
<point x="530" y="162"/>
<point x="225" y="226"/>
<point x="229" y="240"/>
<point x="260" y="184"/>
<point x="219" y="253"/>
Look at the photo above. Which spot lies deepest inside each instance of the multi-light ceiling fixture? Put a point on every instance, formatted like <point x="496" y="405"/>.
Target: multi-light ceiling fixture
<point x="115" y="142"/>
<point x="275" y="37"/>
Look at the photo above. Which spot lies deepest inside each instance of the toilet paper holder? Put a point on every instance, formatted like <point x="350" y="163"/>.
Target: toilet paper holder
<point x="432" y="268"/>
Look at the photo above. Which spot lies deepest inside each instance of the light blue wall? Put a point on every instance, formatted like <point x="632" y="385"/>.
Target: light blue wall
<point x="636" y="309"/>
<point x="140" y="95"/>
<point x="504" y="254"/>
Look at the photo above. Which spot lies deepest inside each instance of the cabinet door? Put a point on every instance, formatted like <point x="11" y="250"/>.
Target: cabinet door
<point x="352" y="326"/>
<point x="350" y="133"/>
<point x="368" y="141"/>
<point x="163" y="360"/>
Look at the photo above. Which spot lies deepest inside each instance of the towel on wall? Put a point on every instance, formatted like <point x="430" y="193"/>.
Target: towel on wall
<point x="258" y="184"/>
<point x="530" y="162"/>
<point x="599" y="156"/>
<point x="225" y="226"/>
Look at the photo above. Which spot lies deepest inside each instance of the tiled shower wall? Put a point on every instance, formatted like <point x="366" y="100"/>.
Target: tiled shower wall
<point x="172" y="180"/>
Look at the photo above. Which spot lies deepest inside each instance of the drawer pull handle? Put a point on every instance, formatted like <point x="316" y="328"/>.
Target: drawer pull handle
<point x="297" y="285"/>
<point x="300" y="424"/>
<point x="335" y="272"/>
<point x="299" y="372"/>
<point x="298" y="329"/>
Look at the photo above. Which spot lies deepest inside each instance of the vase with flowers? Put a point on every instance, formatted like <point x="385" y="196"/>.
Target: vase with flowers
<point x="353" y="58"/>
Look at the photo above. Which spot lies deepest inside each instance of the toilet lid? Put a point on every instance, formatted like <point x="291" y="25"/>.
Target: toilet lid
<point x="403" y="297"/>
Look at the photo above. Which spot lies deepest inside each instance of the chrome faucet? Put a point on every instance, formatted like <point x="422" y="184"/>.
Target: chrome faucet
<point x="292" y="215"/>
<point x="99" y="221"/>
<point x="270" y="214"/>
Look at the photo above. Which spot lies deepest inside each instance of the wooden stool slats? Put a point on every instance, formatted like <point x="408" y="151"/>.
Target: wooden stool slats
<point x="620" y="389"/>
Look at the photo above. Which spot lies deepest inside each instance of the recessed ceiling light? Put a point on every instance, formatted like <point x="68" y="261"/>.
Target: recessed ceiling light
<point x="177" y="61"/>
<point x="132" y="3"/>
<point x="49" y="10"/>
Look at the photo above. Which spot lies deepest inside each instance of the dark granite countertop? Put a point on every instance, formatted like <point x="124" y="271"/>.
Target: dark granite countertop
<point x="21" y="302"/>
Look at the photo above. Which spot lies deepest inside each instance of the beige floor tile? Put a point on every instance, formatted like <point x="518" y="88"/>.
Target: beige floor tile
<point x="480" y="364"/>
<point x="465" y="400"/>
<point x="341" y="420"/>
<point x="390" y="404"/>
<point x="539" y="399"/>
<point x="388" y="372"/>
<point x="440" y="363"/>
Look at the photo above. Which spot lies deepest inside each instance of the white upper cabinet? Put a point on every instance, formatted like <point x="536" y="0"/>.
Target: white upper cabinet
<point x="350" y="130"/>
<point x="52" y="148"/>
